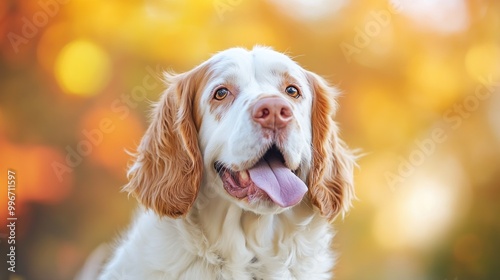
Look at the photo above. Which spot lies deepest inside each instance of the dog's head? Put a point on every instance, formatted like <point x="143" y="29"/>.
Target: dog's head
<point x="252" y="125"/>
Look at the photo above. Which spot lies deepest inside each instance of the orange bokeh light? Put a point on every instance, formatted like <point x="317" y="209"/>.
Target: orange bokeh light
<point x="113" y="134"/>
<point x="36" y="180"/>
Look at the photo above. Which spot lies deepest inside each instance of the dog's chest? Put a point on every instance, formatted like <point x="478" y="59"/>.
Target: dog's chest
<point x="248" y="246"/>
<point x="269" y="263"/>
<point x="255" y="269"/>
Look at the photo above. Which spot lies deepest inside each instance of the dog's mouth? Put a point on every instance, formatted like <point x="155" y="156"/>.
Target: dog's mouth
<point x="268" y="179"/>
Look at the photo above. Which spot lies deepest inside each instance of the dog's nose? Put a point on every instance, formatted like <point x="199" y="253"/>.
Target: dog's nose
<point x="272" y="112"/>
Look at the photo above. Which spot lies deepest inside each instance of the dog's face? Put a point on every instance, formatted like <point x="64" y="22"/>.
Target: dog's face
<point x="255" y="128"/>
<point x="252" y="125"/>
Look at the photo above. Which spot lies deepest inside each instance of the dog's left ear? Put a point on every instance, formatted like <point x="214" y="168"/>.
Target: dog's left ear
<point x="331" y="178"/>
<point x="167" y="171"/>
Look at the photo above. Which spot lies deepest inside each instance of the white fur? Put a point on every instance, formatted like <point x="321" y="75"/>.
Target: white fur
<point x="222" y="237"/>
<point x="220" y="243"/>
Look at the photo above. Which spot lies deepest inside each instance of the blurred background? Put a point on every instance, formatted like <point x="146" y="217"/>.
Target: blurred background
<point x="421" y="98"/>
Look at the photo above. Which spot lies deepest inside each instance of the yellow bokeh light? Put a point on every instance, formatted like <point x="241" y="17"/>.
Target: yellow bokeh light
<point x="82" y="68"/>
<point x="421" y="211"/>
<point x="482" y="61"/>
<point x="436" y="82"/>
<point x="376" y="108"/>
<point x="417" y="218"/>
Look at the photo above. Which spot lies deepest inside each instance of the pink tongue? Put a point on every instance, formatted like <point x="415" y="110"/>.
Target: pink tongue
<point x="280" y="184"/>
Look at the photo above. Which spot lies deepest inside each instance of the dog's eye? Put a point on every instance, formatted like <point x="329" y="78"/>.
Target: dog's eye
<point x="221" y="93"/>
<point x="292" y="91"/>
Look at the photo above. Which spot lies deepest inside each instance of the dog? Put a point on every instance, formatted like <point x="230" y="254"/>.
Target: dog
<point x="239" y="175"/>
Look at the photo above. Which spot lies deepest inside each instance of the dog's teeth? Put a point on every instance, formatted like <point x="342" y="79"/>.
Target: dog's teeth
<point x="244" y="175"/>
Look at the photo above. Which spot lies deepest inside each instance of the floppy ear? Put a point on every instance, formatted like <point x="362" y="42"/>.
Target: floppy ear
<point x="331" y="178"/>
<point x="167" y="171"/>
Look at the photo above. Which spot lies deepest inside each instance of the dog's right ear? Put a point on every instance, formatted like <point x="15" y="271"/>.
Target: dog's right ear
<point x="167" y="171"/>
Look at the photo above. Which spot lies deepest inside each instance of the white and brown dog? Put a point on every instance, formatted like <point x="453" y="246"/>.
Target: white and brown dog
<point x="240" y="174"/>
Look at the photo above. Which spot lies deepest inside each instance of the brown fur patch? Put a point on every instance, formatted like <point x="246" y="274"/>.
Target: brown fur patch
<point x="168" y="167"/>
<point x="203" y="75"/>
<point x="330" y="179"/>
